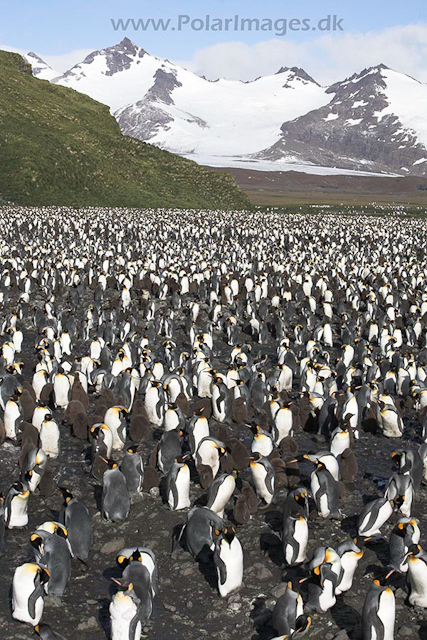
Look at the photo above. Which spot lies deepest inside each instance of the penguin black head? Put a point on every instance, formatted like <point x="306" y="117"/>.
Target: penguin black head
<point x="229" y="534"/>
<point x="36" y="541"/>
<point x="123" y="585"/>
<point x="302" y="625"/>
<point x="413" y="550"/>
<point x="123" y="561"/>
<point x="66" y="494"/>
<point x="44" y="575"/>
<point x="136" y="556"/>
<point x="131" y="449"/>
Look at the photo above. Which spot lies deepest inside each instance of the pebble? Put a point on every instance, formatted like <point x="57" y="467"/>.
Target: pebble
<point x="113" y="545"/>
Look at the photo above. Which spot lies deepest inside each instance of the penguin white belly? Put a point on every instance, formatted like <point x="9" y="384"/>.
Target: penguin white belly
<point x="122" y="612"/>
<point x="183" y="489"/>
<point x="218" y="407"/>
<point x="18" y="513"/>
<point x="259" y="475"/>
<point x="151" y="402"/>
<point x="225" y="491"/>
<point x="283" y="421"/>
<point x="417" y="575"/>
<point x="209" y="456"/>
<point x="11" y="416"/>
<point x="263" y="445"/>
<point x="284" y="382"/>
<point x="349" y="565"/>
<point x="49" y="439"/>
<point x="327" y="598"/>
<point x="340" y="442"/>
<point x="204" y="382"/>
<point x="390" y="425"/>
<point x="383" y="515"/>
<point x="174" y="390"/>
<point x="321" y="503"/>
<point x="387" y="613"/>
<point x="200" y="431"/>
<point x="171" y="420"/>
<point x="61" y="389"/>
<point x="232" y="556"/>
<point x="301" y="536"/>
<point x="39" y="416"/>
<point x="22" y="588"/>
<point x="114" y="425"/>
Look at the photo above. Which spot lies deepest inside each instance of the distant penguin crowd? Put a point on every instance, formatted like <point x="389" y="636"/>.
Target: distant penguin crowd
<point x="229" y="364"/>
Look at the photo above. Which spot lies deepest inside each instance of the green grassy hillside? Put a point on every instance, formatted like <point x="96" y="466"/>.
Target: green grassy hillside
<point x="59" y="147"/>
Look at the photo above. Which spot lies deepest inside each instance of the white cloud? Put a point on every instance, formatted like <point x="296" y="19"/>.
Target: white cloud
<point x="327" y="58"/>
<point x="59" y="63"/>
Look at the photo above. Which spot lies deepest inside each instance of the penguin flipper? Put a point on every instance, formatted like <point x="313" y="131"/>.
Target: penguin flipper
<point x="269" y="479"/>
<point x="36" y="594"/>
<point x="221" y="568"/>
<point x="133" y="624"/>
<point x="171" y="487"/>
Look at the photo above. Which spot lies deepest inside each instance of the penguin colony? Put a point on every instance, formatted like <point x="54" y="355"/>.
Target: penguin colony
<point x="248" y="372"/>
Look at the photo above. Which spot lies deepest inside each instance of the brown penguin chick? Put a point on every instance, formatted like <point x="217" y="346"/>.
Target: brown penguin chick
<point x="226" y="462"/>
<point x="408" y="403"/>
<point x="99" y="467"/>
<point x="205" y="475"/>
<point x="307" y="422"/>
<point x="240" y="456"/>
<point x="47" y="485"/>
<point x="183" y="404"/>
<point x="101" y="406"/>
<point x="250" y="495"/>
<point x="293" y="474"/>
<point x="289" y="446"/>
<point x="28" y="387"/>
<point x="341" y="489"/>
<point x="2" y="432"/>
<point x="152" y="461"/>
<point x="369" y="421"/>
<point x="96" y="419"/>
<point x="239" y="412"/>
<point x="241" y="512"/>
<point x="81" y="426"/>
<point x="28" y="433"/>
<point x="281" y="471"/>
<point x="28" y="405"/>
<point x="203" y="402"/>
<point x="138" y="406"/>
<point x="151" y="478"/>
<point x="74" y="407"/>
<point x="348" y="466"/>
<point x="47" y="395"/>
<point x="78" y="393"/>
<point x="296" y="425"/>
<point x="139" y="428"/>
<point x="108" y="397"/>
<point x="284" y="396"/>
<point x="223" y="434"/>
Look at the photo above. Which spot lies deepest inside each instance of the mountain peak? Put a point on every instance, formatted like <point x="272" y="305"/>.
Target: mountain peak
<point x="297" y="72"/>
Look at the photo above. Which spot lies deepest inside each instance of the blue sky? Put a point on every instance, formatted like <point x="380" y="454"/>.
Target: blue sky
<point x="63" y="31"/>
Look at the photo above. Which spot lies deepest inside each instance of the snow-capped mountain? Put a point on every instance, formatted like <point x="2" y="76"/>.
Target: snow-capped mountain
<point x="375" y="121"/>
<point x="171" y="107"/>
<point x="40" y="68"/>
